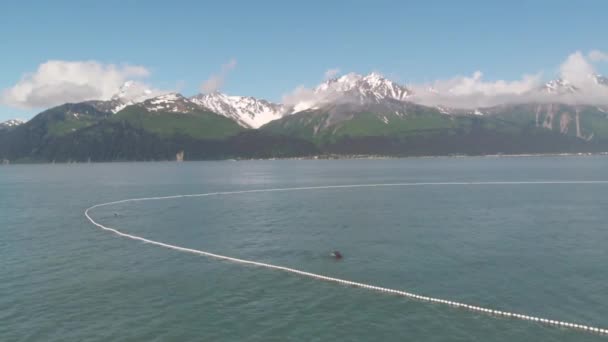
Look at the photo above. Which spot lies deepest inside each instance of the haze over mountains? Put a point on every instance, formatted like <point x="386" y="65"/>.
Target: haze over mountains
<point x="349" y="114"/>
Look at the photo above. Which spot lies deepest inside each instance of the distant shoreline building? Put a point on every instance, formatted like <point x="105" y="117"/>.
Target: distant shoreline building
<point x="179" y="156"/>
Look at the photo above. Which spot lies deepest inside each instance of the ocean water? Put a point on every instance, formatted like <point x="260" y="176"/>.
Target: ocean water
<point x="537" y="249"/>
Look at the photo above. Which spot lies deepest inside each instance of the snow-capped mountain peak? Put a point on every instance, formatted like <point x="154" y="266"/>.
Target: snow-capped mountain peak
<point x="559" y="86"/>
<point x="132" y="91"/>
<point x="11" y="123"/>
<point x="122" y="91"/>
<point x="352" y="88"/>
<point x="599" y="79"/>
<point x="247" y="111"/>
<point x="129" y="93"/>
<point x="373" y="87"/>
<point x="562" y="86"/>
<point x="171" y="102"/>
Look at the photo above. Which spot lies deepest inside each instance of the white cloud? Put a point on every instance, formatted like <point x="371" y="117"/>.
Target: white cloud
<point x="56" y="82"/>
<point x="132" y="91"/>
<point x="580" y="72"/>
<point x="476" y="85"/>
<point x="473" y="91"/>
<point x="331" y="73"/>
<point x="215" y="82"/>
<point x="598" y="56"/>
<point x="301" y="98"/>
<point x="462" y="91"/>
<point x="577" y="70"/>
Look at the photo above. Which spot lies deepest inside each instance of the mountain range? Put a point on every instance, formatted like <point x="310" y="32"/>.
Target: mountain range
<point x="11" y="123"/>
<point x="351" y="114"/>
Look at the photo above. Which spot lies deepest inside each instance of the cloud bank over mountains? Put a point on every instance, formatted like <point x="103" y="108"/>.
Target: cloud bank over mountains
<point x="577" y="83"/>
<point x="56" y="82"/>
<point x="473" y="91"/>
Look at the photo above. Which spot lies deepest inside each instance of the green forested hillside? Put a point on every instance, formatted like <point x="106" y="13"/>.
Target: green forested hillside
<point x="81" y="132"/>
<point x="197" y="124"/>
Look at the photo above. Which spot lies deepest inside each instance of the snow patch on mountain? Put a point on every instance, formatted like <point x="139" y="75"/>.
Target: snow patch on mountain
<point x="247" y="111"/>
<point x="11" y="123"/>
<point x="562" y="86"/>
<point x="372" y="87"/>
<point x="599" y="79"/>
<point x="171" y="102"/>
<point x="349" y="88"/>
<point x="559" y="86"/>
<point x="129" y="93"/>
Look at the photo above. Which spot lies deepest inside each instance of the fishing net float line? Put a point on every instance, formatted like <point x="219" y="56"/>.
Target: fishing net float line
<point x="397" y="292"/>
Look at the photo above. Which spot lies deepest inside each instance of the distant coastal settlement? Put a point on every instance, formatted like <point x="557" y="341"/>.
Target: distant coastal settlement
<point x="179" y="158"/>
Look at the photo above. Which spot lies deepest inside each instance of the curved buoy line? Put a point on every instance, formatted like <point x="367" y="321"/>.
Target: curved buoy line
<point x="455" y="304"/>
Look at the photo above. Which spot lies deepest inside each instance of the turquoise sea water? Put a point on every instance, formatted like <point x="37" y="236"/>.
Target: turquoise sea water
<point x="535" y="249"/>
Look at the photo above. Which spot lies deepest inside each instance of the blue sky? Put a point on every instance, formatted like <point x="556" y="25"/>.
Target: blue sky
<point x="279" y="45"/>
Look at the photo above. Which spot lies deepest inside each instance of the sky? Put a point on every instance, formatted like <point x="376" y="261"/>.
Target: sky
<point x="68" y="50"/>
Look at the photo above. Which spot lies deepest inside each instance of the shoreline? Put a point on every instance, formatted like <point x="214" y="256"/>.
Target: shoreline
<point x="322" y="157"/>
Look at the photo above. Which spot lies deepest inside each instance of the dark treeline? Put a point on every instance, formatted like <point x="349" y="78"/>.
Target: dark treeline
<point x="471" y="143"/>
<point x="119" y="141"/>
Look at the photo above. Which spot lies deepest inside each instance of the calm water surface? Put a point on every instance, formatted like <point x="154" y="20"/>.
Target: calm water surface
<point x="534" y="249"/>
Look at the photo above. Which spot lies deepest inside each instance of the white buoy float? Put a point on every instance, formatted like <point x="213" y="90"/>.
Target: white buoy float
<point x="338" y="280"/>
